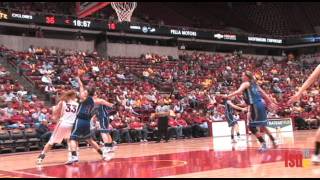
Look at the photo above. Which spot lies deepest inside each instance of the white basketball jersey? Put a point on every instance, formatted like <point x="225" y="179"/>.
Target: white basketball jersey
<point x="69" y="110"/>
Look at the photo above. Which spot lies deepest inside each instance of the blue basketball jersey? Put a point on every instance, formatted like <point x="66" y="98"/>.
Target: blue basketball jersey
<point x="85" y="109"/>
<point x="253" y="98"/>
<point x="252" y="95"/>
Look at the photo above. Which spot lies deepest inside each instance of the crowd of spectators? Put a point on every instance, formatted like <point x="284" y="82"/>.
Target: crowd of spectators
<point x="196" y="78"/>
<point x="53" y="71"/>
<point x="193" y="81"/>
<point x="19" y="108"/>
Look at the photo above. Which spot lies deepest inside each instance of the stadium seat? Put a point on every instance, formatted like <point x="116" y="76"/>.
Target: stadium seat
<point x="6" y="144"/>
<point x="20" y="141"/>
<point x="33" y="140"/>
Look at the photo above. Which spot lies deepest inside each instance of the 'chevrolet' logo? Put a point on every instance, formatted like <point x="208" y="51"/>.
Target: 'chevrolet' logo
<point x="218" y="36"/>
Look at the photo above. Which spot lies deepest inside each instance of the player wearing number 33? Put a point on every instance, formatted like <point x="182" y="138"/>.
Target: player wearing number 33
<point x="65" y="112"/>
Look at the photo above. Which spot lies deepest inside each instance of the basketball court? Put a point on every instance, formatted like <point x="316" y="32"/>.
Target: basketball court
<point x="200" y="157"/>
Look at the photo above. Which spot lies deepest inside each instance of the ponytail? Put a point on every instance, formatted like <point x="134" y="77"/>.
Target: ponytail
<point x="251" y="77"/>
<point x="68" y="96"/>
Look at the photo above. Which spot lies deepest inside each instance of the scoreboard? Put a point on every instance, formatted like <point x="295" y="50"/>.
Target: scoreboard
<point x="147" y="29"/>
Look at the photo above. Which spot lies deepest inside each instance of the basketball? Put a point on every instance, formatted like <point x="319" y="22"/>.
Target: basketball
<point x="172" y="114"/>
<point x="81" y="72"/>
<point x="152" y="116"/>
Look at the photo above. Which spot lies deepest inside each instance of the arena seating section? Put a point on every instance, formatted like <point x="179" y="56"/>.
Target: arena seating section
<point x="126" y="79"/>
<point x="19" y="110"/>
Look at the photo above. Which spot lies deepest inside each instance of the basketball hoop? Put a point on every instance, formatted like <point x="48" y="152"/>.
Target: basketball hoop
<point x="124" y="10"/>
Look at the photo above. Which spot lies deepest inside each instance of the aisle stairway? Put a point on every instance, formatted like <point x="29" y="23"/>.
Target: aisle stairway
<point x="22" y="80"/>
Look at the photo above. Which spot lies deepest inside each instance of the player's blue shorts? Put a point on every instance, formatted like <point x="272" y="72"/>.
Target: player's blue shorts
<point x="258" y="115"/>
<point x="104" y="125"/>
<point x="81" y="129"/>
<point x="231" y="121"/>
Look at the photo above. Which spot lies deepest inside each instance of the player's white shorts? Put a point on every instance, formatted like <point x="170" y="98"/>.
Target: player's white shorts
<point x="61" y="132"/>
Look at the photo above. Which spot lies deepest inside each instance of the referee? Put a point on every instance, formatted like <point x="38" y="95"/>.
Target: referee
<point x="162" y="113"/>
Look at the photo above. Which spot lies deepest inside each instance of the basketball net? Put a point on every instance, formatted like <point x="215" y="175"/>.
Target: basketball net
<point x="124" y="10"/>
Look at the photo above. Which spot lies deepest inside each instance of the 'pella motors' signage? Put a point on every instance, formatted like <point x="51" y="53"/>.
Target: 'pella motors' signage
<point x="183" y="32"/>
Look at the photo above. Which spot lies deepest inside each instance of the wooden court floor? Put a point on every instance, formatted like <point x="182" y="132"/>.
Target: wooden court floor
<point x="201" y="157"/>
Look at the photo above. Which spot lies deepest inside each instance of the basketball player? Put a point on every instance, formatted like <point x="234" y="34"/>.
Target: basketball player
<point x="312" y="78"/>
<point x="65" y="112"/>
<point x="229" y="114"/>
<point x="254" y="96"/>
<point x="82" y="124"/>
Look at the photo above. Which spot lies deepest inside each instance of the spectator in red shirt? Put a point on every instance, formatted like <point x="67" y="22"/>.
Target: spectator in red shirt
<point x="16" y="121"/>
<point x="187" y="117"/>
<point x="138" y="131"/>
<point x="123" y="129"/>
<point x="186" y="129"/>
<point x="152" y="127"/>
<point x="51" y="127"/>
<point x="25" y="104"/>
<point x="200" y="126"/>
<point x="174" y="128"/>
<point x="3" y="117"/>
<point x="15" y="103"/>
<point x="16" y="117"/>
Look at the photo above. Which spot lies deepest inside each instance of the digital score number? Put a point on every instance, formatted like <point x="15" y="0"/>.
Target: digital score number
<point x="50" y="19"/>
<point x="112" y="26"/>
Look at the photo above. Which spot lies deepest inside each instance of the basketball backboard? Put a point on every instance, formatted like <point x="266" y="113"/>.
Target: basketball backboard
<point x="87" y="8"/>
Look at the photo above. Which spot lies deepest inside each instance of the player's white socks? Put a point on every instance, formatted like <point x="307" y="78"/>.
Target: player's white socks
<point x="78" y="152"/>
<point x="315" y="159"/>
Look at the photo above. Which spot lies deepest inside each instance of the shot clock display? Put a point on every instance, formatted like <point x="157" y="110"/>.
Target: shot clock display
<point x="80" y="23"/>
